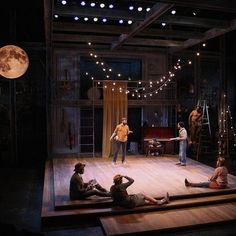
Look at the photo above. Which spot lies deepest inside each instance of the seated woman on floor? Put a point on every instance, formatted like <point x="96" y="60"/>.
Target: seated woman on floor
<point x="81" y="190"/>
<point x="218" y="180"/>
<point x="122" y="198"/>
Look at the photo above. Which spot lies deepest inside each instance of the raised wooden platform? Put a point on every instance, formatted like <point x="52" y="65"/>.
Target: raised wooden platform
<point x="156" y="222"/>
<point x="153" y="175"/>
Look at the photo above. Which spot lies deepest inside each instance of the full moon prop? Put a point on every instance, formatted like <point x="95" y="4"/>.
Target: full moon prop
<point x="13" y="61"/>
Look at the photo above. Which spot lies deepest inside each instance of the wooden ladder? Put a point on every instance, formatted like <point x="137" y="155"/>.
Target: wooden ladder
<point x="203" y="146"/>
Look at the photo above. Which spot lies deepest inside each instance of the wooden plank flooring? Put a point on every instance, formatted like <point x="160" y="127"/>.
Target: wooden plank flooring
<point x="146" y="172"/>
<point x="153" y="176"/>
<point x="172" y="219"/>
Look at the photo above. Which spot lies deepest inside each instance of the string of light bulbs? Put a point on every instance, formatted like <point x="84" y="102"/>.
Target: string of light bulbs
<point x="225" y="127"/>
<point x="142" y="89"/>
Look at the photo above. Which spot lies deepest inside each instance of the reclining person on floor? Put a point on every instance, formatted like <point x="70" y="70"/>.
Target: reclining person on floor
<point x="121" y="197"/>
<point x="81" y="190"/>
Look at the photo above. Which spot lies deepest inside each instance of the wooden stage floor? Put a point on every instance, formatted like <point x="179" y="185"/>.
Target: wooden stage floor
<point x="153" y="176"/>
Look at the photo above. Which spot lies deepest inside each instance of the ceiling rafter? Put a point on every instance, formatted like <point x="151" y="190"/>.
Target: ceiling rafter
<point x="116" y="30"/>
<point x="157" y="10"/>
<point x="193" y="21"/>
<point x="212" y="33"/>
<point x="92" y="12"/>
<point x="219" y="5"/>
<point x="101" y="49"/>
<point x="138" y="17"/>
<point x="77" y="38"/>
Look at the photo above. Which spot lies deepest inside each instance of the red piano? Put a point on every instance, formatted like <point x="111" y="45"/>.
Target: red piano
<point x="162" y="134"/>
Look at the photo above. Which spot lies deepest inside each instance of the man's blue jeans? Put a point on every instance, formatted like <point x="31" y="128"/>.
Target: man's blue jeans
<point x="201" y="184"/>
<point x="123" y="145"/>
<point x="182" y="151"/>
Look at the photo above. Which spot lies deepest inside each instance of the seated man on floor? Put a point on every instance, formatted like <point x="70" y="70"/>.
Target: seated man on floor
<point x="154" y="147"/>
<point x="80" y="190"/>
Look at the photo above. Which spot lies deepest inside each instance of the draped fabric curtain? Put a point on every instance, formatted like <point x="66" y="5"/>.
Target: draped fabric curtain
<point x="115" y="106"/>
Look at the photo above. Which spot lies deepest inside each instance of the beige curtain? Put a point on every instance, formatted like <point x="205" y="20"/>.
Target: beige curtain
<point x="115" y="106"/>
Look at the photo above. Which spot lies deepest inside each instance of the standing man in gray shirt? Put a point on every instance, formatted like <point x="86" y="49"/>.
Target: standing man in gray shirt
<point x="182" y="143"/>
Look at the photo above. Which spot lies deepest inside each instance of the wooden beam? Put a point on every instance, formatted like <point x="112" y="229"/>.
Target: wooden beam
<point x="100" y="13"/>
<point x="72" y="11"/>
<point x="116" y="30"/>
<point x="219" y="5"/>
<point x="194" y="21"/>
<point x="48" y="20"/>
<point x="76" y="38"/>
<point x="170" y="33"/>
<point x="105" y="49"/>
<point x="101" y="49"/>
<point x="156" y="11"/>
<point x="212" y="33"/>
<point x="153" y="42"/>
<point x="90" y="28"/>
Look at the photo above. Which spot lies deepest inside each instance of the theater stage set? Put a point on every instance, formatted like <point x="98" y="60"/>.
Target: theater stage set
<point x="189" y="208"/>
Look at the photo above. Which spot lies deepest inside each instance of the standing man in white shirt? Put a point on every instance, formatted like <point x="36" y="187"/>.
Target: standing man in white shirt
<point x="182" y="143"/>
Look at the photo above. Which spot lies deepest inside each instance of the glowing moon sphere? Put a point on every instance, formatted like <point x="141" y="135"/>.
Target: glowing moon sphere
<point x="13" y="61"/>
